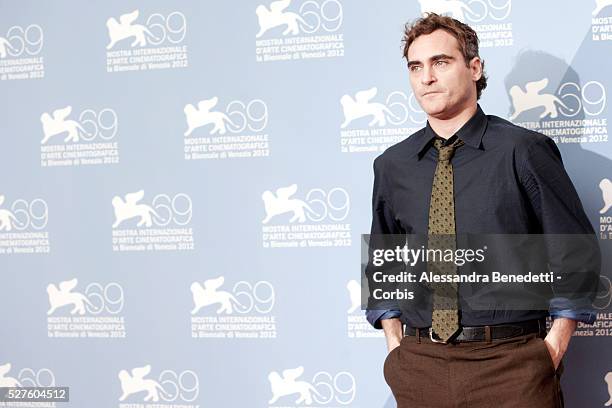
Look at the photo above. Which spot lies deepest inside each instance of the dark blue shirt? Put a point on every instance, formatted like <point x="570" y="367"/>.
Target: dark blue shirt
<point x="507" y="180"/>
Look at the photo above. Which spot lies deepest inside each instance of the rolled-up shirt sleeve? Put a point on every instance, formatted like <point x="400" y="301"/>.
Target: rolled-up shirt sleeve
<point x="385" y="232"/>
<point x="579" y="310"/>
<point x="555" y="202"/>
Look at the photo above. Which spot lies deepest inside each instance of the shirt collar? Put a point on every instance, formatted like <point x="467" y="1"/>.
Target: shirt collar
<point x="471" y="132"/>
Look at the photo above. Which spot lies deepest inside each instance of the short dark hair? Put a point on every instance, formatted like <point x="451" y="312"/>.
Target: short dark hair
<point x="465" y="35"/>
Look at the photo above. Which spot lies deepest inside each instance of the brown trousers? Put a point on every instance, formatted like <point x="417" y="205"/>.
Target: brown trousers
<point x="508" y="373"/>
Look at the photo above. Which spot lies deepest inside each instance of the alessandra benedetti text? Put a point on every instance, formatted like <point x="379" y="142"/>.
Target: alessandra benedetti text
<point x="494" y="276"/>
<point x="430" y="277"/>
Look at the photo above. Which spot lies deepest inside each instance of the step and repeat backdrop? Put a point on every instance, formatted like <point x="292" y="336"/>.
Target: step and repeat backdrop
<point x="185" y="184"/>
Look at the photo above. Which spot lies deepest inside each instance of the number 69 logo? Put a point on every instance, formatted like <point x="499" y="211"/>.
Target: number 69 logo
<point x="24" y="214"/>
<point x="258" y="297"/>
<point x="107" y="298"/>
<point x="29" y="377"/>
<point x="184" y="385"/>
<point x="589" y="98"/>
<point x="20" y="41"/>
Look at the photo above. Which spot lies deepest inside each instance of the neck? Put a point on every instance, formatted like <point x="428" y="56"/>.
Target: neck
<point x="447" y="126"/>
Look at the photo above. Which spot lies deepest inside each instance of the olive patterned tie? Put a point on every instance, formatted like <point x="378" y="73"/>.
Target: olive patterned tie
<point x="441" y="234"/>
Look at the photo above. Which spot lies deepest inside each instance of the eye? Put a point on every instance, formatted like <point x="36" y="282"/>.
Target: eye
<point x="414" y="68"/>
<point x="441" y="63"/>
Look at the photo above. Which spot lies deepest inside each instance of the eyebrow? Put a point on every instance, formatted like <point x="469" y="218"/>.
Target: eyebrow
<point x="433" y="58"/>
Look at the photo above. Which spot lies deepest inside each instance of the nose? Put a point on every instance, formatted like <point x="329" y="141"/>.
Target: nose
<point x="427" y="76"/>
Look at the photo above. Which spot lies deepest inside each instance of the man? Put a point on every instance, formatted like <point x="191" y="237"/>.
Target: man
<point x="467" y="172"/>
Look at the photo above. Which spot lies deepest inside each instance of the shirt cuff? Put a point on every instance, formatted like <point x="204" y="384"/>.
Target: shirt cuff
<point x="375" y="316"/>
<point x="579" y="309"/>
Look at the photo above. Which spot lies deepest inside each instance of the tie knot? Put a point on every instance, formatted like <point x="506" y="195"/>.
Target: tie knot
<point x="445" y="153"/>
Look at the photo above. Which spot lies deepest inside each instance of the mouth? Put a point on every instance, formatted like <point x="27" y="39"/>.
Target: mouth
<point x="430" y="93"/>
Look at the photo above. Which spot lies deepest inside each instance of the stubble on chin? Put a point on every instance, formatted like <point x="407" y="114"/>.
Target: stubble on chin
<point x="433" y="109"/>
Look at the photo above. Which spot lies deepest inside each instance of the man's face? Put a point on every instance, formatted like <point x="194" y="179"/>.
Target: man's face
<point x="440" y="79"/>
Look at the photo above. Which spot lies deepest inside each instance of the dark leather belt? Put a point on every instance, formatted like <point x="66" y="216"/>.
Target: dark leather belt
<point x="487" y="333"/>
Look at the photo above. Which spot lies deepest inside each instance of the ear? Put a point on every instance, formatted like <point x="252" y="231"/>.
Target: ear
<point x="476" y="65"/>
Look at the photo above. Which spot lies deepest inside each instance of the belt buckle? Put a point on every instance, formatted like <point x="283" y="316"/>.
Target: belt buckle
<point x="431" y="337"/>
